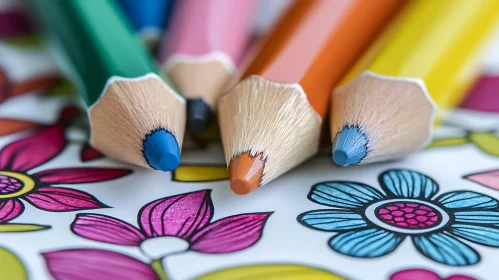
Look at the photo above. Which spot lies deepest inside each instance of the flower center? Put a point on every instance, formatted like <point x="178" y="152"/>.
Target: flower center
<point x="158" y="247"/>
<point x="408" y="215"/>
<point x="14" y="184"/>
<point x="9" y="184"/>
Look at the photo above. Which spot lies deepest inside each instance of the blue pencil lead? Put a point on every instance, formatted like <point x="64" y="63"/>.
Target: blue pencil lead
<point x="349" y="146"/>
<point x="161" y="150"/>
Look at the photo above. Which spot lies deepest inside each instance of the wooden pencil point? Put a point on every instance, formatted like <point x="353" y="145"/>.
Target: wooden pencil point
<point x="116" y="132"/>
<point x="276" y="120"/>
<point x="400" y="123"/>
<point x="245" y="172"/>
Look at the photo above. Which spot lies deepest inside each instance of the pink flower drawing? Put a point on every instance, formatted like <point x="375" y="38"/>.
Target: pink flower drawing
<point x="68" y="116"/>
<point x="186" y="217"/>
<point x="18" y="183"/>
<point x="489" y="178"/>
<point x="423" y="274"/>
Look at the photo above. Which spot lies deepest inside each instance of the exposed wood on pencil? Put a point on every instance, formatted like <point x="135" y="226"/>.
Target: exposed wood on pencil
<point x="274" y="115"/>
<point x="135" y="116"/>
<point x="433" y="44"/>
<point x="202" y="50"/>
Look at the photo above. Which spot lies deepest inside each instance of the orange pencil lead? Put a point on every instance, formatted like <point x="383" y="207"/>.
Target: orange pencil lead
<point x="245" y="172"/>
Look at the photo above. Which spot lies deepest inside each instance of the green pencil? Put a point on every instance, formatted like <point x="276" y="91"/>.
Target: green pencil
<point x="135" y="116"/>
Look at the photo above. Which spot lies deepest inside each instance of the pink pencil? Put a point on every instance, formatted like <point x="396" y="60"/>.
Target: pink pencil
<point x="201" y="54"/>
<point x="484" y="96"/>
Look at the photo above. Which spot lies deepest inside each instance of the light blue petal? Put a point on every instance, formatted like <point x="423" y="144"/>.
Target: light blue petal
<point x="365" y="243"/>
<point x="343" y="194"/>
<point x="445" y="249"/>
<point x="467" y="199"/>
<point x="408" y="184"/>
<point x="332" y="220"/>
<point x="477" y="217"/>
<point x="479" y="234"/>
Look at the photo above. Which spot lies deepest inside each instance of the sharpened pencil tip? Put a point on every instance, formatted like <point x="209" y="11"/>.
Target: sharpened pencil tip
<point x="199" y="115"/>
<point x="245" y="172"/>
<point x="349" y="146"/>
<point x="161" y="150"/>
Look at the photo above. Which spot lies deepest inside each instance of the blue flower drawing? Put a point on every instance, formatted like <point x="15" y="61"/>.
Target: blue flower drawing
<point x="372" y="224"/>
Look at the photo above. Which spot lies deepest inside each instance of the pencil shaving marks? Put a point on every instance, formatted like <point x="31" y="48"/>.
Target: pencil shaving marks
<point x="207" y="75"/>
<point x="260" y="116"/>
<point x="396" y="114"/>
<point x="130" y="109"/>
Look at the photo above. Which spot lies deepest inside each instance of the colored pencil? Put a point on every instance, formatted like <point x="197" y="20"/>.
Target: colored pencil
<point x="384" y="110"/>
<point x="135" y="116"/>
<point x="271" y="120"/>
<point x="148" y="17"/>
<point x="207" y="40"/>
<point x="24" y="69"/>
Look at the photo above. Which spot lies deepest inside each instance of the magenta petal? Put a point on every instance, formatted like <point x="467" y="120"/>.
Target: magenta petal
<point x="230" y="234"/>
<point x="68" y="113"/>
<point x="460" y="277"/>
<point x="90" y="264"/>
<point x="88" y="153"/>
<point x="9" y="209"/>
<point x="30" y="152"/>
<point x="415" y="274"/>
<point x="178" y="215"/>
<point x="62" y="199"/>
<point x="14" y="23"/>
<point x="80" y="175"/>
<point x="106" y="229"/>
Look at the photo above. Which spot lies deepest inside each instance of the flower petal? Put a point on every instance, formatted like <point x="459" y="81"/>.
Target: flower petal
<point x="83" y="264"/>
<point x="332" y="220"/>
<point x="479" y="234"/>
<point x="365" y="243"/>
<point x="80" y="175"/>
<point x="62" y="199"/>
<point x="106" y="229"/>
<point x="180" y="215"/>
<point x="15" y="227"/>
<point x="11" y="126"/>
<point x="415" y="274"/>
<point x="10" y="209"/>
<point x="230" y="234"/>
<point x="460" y="277"/>
<point x="88" y="153"/>
<point x="488" y="179"/>
<point x="30" y="152"/>
<point x="69" y="113"/>
<point x="11" y="266"/>
<point x="407" y="184"/>
<point x="477" y="217"/>
<point x="271" y="272"/>
<point x="200" y="173"/>
<point x="467" y="199"/>
<point x="445" y="249"/>
<point x="340" y="194"/>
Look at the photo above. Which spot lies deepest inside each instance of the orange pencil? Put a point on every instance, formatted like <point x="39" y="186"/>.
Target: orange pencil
<point x="271" y="120"/>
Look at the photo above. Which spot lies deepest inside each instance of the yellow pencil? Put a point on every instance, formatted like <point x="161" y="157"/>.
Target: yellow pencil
<point x="428" y="55"/>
